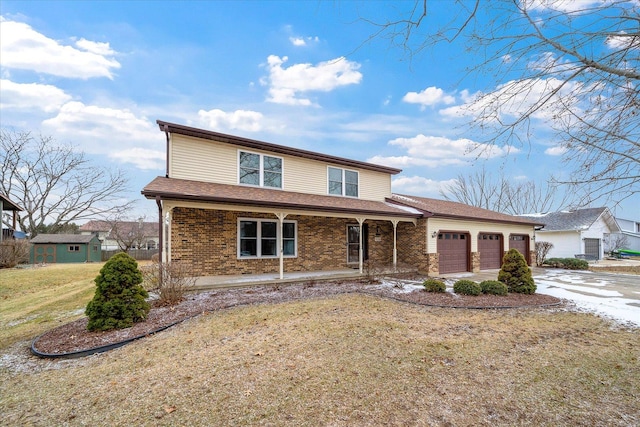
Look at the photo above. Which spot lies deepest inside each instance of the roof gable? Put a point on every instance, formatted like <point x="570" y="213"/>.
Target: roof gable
<point x="8" y="205"/>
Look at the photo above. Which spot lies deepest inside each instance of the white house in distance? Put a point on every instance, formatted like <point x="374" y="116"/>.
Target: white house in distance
<point x="631" y="232"/>
<point x="578" y="232"/>
<point x="109" y="233"/>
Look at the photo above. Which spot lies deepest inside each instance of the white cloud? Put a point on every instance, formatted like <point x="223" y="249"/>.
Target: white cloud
<point x="30" y="96"/>
<point x="142" y="158"/>
<point x="518" y="97"/>
<point x="116" y="133"/>
<point x="21" y="47"/>
<point x="560" y="5"/>
<point x="303" y="41"/>
<point x="429" y="96"/>
<point x="287" y="84"/>
<point x="419" y="186"/>
<point x="623" y="41"/>
<point x="434" y="151"/>
<point x="239" y="119"/>
<point x="555" y="151"/>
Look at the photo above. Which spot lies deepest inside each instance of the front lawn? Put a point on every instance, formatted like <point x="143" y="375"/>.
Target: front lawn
<point x="347" y="360"/>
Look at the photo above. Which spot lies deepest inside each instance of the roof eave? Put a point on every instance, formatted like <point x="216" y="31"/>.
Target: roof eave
<point x="274" y="205"/>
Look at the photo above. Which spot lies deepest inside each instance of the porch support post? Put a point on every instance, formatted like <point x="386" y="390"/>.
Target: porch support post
<point x="361" y="249"/>
<point x="281" y="216"/>
<point x="395" y="240"/>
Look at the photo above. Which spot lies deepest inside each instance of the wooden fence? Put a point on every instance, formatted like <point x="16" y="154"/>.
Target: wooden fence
<point x="138" y="254"/>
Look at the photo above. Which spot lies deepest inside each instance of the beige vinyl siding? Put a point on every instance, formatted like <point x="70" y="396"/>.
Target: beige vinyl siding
<point x="199" y="160"/>
<point x="374" y="185"/>
<point x="473" y="228"/>
<point x="211" y="161"/>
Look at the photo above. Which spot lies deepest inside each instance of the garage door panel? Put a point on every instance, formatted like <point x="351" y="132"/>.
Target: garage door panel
<point x="490" y="248"/>
<point x="521" y="243"/>
<point x="453" y="252"/>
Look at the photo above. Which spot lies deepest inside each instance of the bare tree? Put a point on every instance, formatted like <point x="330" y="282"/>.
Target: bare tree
<point x="569" y="68"/>
<point x="504" y="195"/>
<point x="542" y="250"/>
<point x="615" y="242"/>
<point x="55" y="184"/>
<point x="128" y="234"/>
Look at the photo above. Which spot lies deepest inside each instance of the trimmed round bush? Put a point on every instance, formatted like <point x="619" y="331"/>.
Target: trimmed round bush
<point x="434" y="285"/>
<point x="119" y="300"/>
<point x="493" y="287"/>
<point x="467" y="287"/>
<point x="516" y="274"/>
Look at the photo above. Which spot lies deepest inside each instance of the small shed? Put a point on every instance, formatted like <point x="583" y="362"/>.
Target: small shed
<point x="65" y="248"/>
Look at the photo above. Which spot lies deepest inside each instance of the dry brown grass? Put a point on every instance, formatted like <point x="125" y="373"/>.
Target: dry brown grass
<point x="346" y="360"/>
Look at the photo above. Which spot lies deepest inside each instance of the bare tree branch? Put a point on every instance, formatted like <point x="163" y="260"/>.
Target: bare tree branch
<point x="55" y="184"/>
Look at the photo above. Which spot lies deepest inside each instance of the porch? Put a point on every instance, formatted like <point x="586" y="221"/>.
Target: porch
<point x="246" y="280"/>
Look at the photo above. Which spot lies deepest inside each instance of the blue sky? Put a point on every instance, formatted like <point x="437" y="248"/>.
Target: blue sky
<point x="301" y="73"/>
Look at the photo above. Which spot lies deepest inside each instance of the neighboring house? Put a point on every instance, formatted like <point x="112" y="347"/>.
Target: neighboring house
<point x="630" y="229"/>
<point x="233" y="205"/>
<point x="578" y="232"/>
<point x="7" y="205"/>
<point x="64" y="248"/>
<point x="137" y="234"/>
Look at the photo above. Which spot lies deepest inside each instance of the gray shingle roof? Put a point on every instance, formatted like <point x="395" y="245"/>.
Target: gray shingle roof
<point x="580" y="219"/>
<point x="62" y="238"/>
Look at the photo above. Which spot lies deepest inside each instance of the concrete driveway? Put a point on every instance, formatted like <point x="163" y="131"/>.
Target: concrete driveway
<point x="612" y="295"/>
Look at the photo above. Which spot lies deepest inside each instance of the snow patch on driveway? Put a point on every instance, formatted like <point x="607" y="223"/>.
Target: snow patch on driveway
<point x="583" y="291"/>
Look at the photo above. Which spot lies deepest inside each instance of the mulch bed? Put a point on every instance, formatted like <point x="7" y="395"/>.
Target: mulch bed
<point x="74" y="336"/>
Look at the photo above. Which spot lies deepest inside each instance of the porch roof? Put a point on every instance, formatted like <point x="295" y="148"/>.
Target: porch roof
<point x="186" y="190"/>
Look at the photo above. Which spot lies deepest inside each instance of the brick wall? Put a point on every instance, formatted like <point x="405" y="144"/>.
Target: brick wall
<point x="208" y="240"/>
<point x="411" y="243"/>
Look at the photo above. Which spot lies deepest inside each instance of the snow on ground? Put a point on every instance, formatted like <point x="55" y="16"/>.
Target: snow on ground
<point x="584" y="292"/>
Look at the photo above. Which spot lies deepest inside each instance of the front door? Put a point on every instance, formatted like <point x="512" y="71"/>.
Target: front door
<point x="353" y="243"/>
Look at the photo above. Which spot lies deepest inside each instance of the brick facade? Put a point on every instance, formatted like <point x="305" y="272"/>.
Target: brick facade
<point x="208" y="239"/>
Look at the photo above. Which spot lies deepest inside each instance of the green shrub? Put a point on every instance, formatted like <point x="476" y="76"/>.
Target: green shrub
<point x="467" y="287"/>
<point x="516" y="274"/>
<point x="568" y="263"/>
<point x="119" y="300"/>
<point x="434" y="285"/>
<point x="493" y="287"/>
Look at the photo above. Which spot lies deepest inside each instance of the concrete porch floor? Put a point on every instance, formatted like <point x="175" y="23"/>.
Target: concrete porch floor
<point x="242" y="280"/>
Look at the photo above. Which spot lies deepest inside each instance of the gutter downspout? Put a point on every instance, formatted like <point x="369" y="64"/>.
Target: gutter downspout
<point x="166" y="132"/>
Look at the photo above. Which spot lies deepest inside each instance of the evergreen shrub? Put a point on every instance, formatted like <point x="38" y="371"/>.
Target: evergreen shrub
<point x="516" y="274"/>
<point x="493" y="287"/>
<point x="434" y="285"/>
<point x="467" y="287"/>
<point x="119" y="300"/>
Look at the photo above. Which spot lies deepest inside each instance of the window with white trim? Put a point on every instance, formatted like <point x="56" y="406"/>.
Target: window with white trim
<point x="342" y="182"/>
<point x="259" y="170"/>
<point x="259" y="238"/>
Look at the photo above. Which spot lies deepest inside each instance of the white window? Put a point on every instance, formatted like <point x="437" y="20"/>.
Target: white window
<point x="342" y="182"/>
<point x="259" y="238"/>
<point x="74" y="248"/>
<point x="259" y="170"/>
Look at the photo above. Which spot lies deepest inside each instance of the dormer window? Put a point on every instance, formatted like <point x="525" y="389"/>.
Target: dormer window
<point x="343" y="182"/>
<point x="260" y="170"/>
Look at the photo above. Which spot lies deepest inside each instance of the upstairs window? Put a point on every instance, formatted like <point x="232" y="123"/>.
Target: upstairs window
<point x="260" y="170"/>
<point x="342" y="182"/>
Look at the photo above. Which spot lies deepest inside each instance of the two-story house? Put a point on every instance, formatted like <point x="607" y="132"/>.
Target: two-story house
<point x="233" y="205"/>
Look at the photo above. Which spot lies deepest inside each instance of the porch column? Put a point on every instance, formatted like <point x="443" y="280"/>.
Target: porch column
<point x="281" y="216"/>
<point x="361" y="249"/>
<point x="395" y="239"/>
